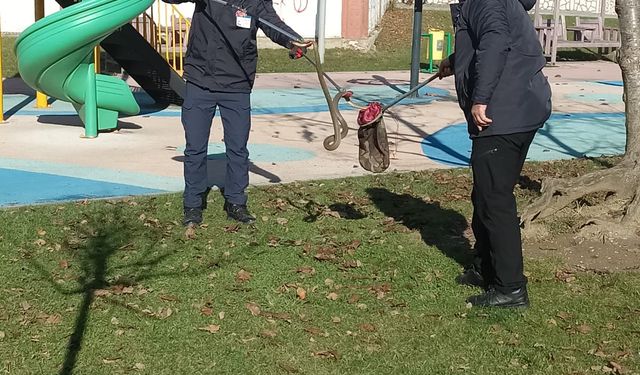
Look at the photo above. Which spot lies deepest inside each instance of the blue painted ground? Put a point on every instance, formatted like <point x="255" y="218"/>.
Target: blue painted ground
<point x="28" y="182"/>
<point x="564" y="136"/>
<point x="20" y="188"/>
<point x="263" y="102"/>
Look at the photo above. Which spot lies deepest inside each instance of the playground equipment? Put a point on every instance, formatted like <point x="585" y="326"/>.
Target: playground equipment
<point x="55" y="56"/>
<point x="438" y="47"/>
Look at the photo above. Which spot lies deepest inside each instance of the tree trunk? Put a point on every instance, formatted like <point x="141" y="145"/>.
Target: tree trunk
<point x="622" y="180"/>
<point x="629" y="60"/>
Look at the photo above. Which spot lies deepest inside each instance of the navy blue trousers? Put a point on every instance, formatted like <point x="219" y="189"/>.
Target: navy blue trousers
<point x="198" y="110"/>
<point x="496" y="162"/>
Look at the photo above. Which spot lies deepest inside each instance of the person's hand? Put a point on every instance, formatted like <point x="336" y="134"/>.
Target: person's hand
<point x="445" y="69"/>
<point x="299" y="49"/>
<point x="479" y="113"/>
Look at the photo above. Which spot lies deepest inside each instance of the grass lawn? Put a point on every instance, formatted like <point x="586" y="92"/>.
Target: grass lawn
<point x="9" y="61"/>
<point x="347" y="276"/>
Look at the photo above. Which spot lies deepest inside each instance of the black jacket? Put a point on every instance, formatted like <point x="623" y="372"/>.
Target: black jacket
<point x="498" y="61"/>
<point x="222" y="56"/>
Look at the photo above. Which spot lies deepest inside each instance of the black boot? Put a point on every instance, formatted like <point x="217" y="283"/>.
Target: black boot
<point x="192" y="216"/>
<point x="495" y="298"/>
<point x="238" y="212"/>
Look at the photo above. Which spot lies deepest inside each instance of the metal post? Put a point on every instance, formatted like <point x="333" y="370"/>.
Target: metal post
<point x="41" y="99"/>
<point x="321" y="22"/>
<point x="415" y="45"/>
<point x="556" y="31"/>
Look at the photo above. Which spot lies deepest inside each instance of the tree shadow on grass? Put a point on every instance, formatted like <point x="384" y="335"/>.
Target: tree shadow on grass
<point x="113" y="233"/>
<point x="440" y="227"/>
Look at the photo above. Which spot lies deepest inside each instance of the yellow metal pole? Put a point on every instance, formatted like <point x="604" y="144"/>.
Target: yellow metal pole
<point x="41" y="99"/>
<point x="1" y="80"/>
<point x="96" y="58"/>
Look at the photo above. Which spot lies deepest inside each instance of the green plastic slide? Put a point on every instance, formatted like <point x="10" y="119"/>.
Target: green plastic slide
<point x="55" y="56"/>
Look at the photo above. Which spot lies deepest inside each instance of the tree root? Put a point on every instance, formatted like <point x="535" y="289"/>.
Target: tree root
<point x="557" y="194"/>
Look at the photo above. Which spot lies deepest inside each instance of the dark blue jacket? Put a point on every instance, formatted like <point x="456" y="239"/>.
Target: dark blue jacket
<point x="222" y="56"/>
<point x="498" y="61"/>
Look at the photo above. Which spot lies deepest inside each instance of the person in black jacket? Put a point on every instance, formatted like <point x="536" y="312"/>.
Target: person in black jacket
<point x="505" y="97"/>
<point x="220" y="69"/>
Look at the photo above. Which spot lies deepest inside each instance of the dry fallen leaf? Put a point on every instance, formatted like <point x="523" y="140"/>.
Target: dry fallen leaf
<point x="63" y="264"/>
<point x="268" y="333"/>
<point x="282" y="221"/>
<point x="110" y="360"/>
<point x="234" y="228"/>
<point x="115" y="321"/>
<point x="211" y="328"/>
<point x="190" y="232"/>
<point x="221" y="315"/>
<point x="127" y="290"/>
<point x="328" y="354"/>
<point x="41" y="232"/>
<point x="101" y="293"/>
<point x="40" y="242"/>
<point x="302" y="294"/>
<point x="367" y="327"/>
<point x="254" y="308"/>
<point x="354" y="298"/>
<point x="138" y="366"/>
<point x="206" y="311"/>
<point x="119" y="332"/>
<point x="332" y="296"/>
<point x="325" y="253"/>
<point x="583" y="328"/>
<point x="2" y="335"/>
<point x="306" y="270"/>
<point x="54" y="319"/>
<point x="336" y="319"/>
<point x="243" y="276"/>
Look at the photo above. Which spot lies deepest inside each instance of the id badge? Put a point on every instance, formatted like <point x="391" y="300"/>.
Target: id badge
<point x="243" y="20"/>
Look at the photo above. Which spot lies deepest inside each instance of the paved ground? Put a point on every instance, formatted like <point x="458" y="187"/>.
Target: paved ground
<point x="43" y="158"/>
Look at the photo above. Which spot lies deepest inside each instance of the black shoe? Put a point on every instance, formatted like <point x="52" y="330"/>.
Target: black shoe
<point x="471" y="277"/>
<point x="494" y="298"/>
<point x="192" y="216"/>
<point x="238" y="212"/>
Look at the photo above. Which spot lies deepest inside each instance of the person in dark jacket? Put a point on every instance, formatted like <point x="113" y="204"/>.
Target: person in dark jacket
<point x="220" y="69"/>
<point x="505" y="97"/>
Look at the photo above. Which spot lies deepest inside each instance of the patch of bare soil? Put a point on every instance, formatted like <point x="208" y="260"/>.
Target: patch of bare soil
<point x="583" y="246"/>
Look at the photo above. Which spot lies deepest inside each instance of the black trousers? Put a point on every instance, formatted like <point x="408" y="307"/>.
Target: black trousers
<point x="198" y="110"/>
<point x="496" y="162"/>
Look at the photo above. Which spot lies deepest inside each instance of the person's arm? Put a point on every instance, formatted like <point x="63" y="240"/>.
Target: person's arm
<point x="266" y="12"/>
<point x="490" y="27"/>
<point x="446" y="67"/>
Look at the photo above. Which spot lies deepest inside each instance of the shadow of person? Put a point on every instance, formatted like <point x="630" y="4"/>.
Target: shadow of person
<point x="440" y="227"/>
<point x="217" y="169"/>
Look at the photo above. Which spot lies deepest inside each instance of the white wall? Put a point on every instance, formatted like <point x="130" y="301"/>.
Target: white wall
<point x="376" y="11"/>
<point x="17" y="15"/>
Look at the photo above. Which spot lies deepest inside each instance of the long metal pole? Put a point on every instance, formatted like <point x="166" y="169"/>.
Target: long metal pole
<point x="321" y="22"/>
<point x="41" y="99"/>
<point x="415" y="46"/>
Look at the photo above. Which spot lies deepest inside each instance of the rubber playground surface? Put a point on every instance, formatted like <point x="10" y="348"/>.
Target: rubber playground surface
<point x="44" y="159"/>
